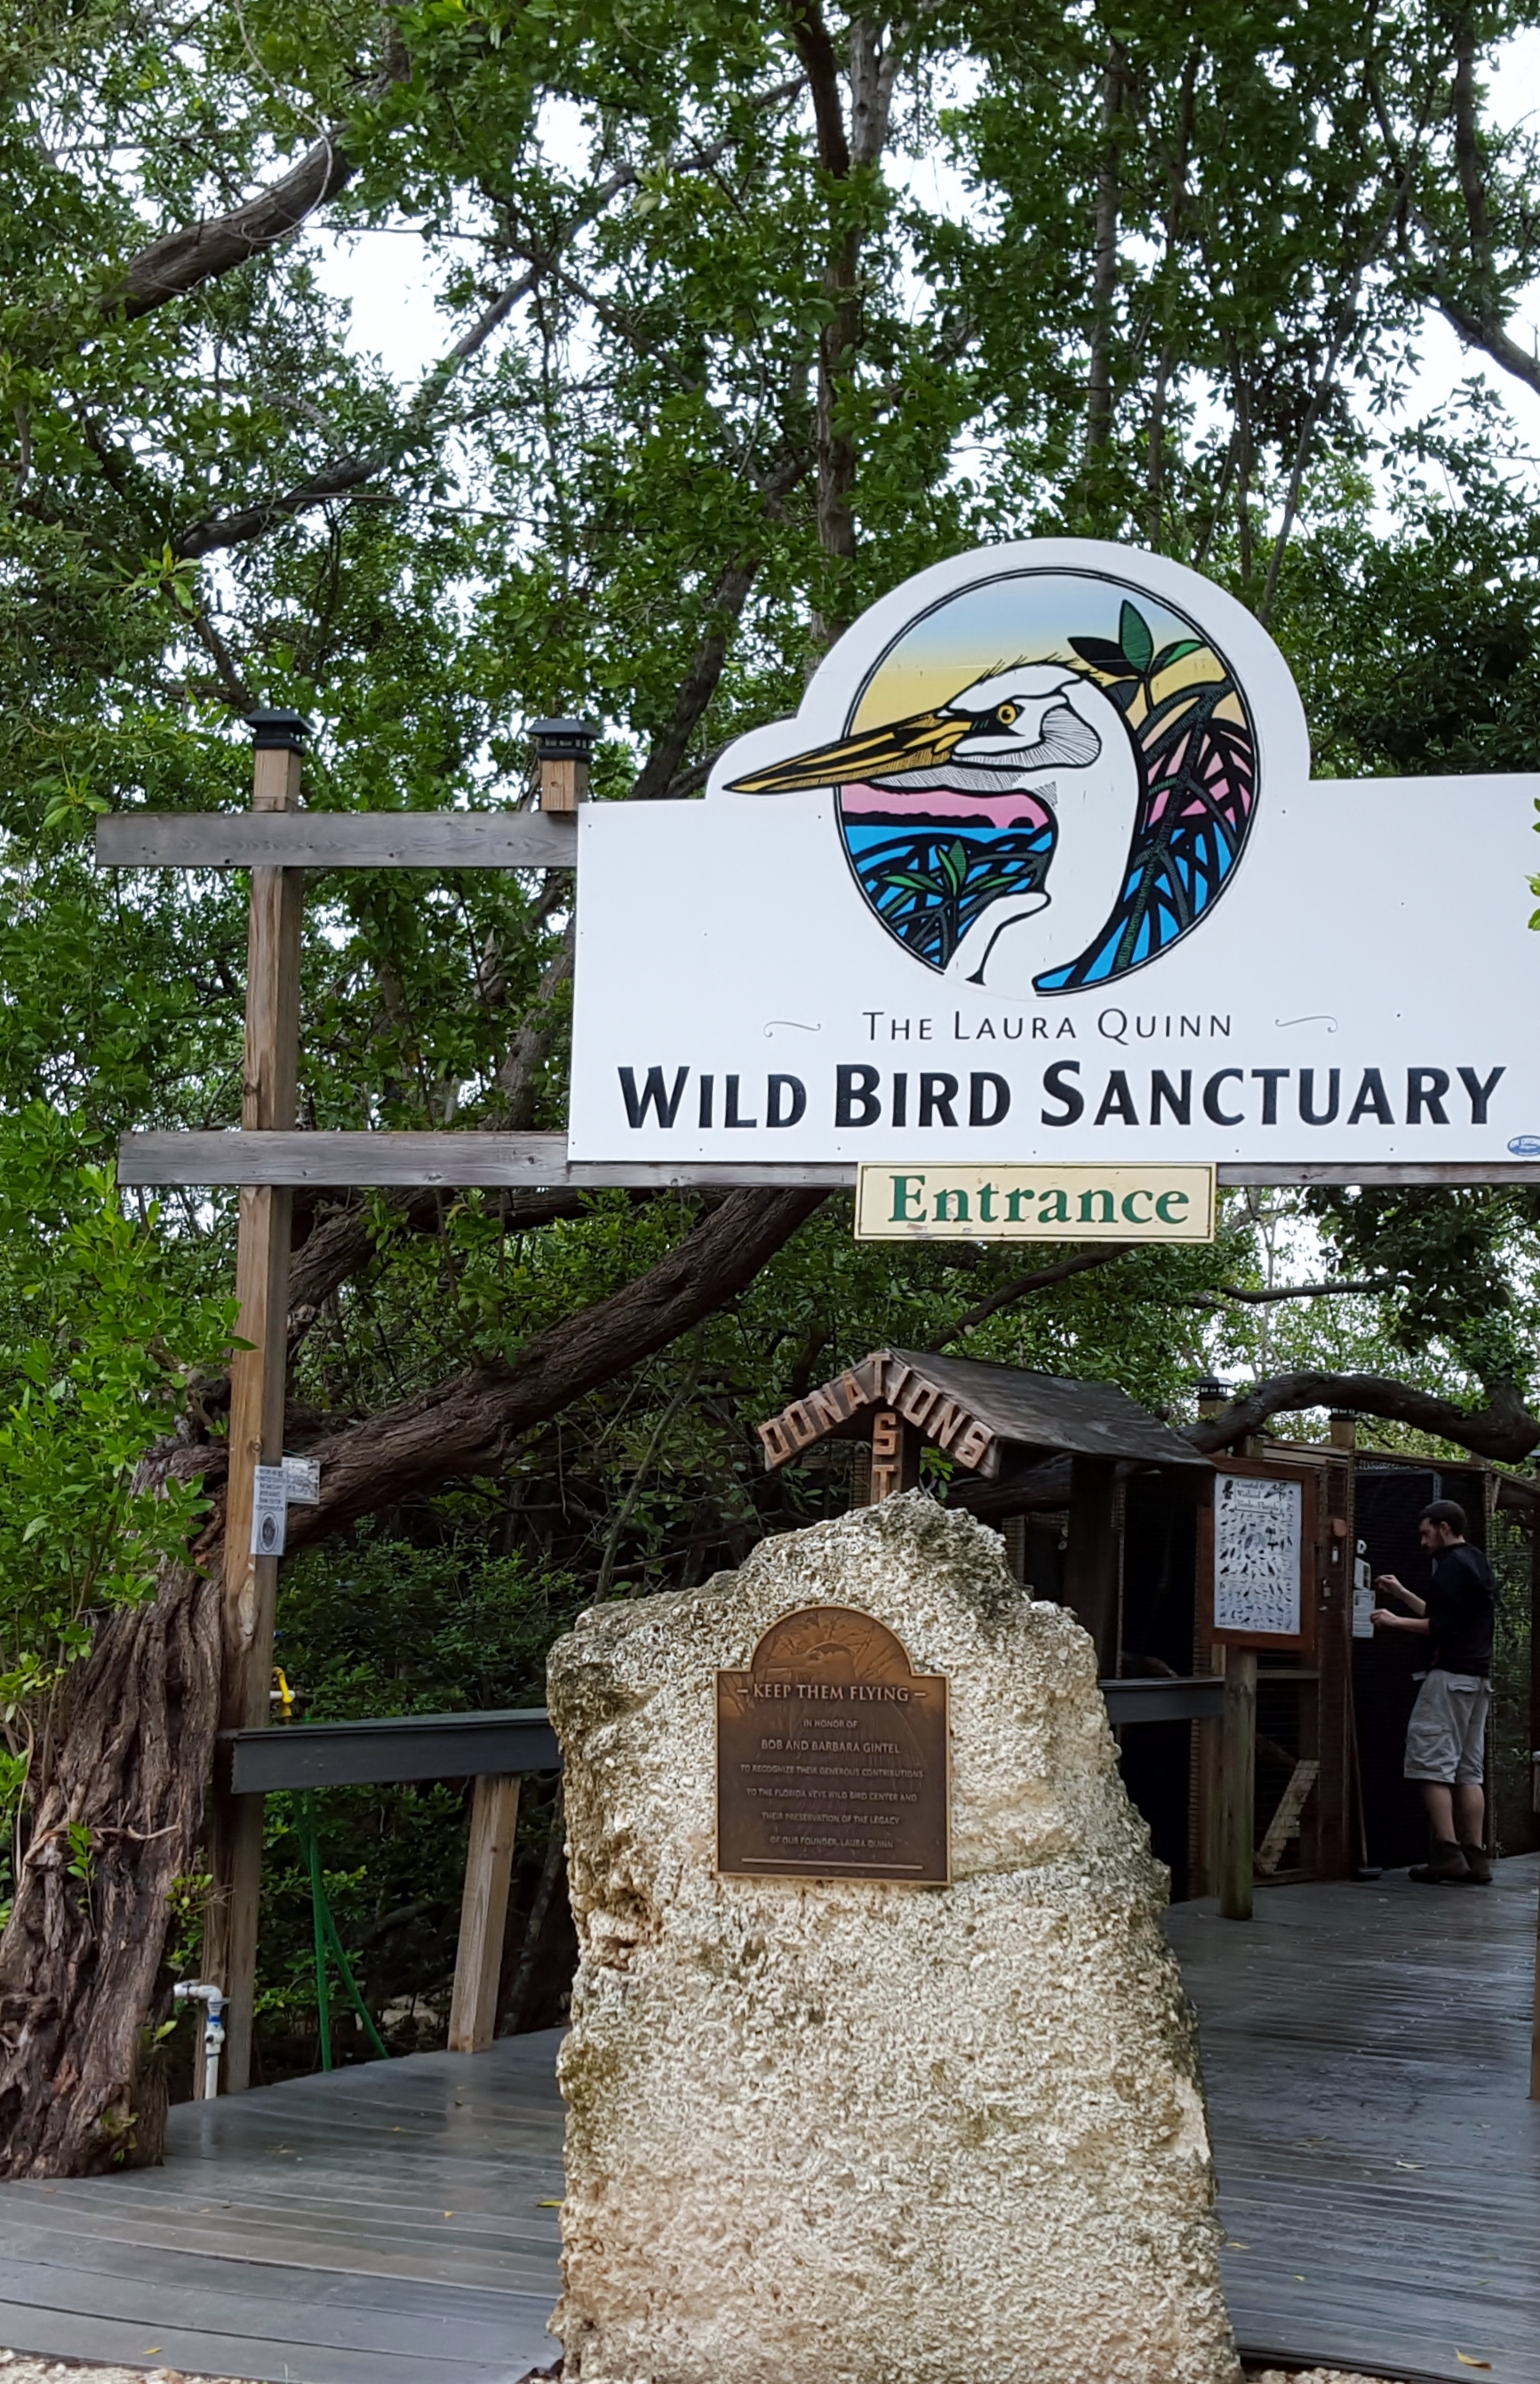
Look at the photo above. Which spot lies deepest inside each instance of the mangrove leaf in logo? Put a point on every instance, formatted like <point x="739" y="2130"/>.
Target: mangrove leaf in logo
<point x="1045" y="776"/>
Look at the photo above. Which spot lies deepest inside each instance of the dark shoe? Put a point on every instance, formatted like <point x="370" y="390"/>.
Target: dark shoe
<point x="1478" y="1865"/>
<point x="1448" y="1867"/>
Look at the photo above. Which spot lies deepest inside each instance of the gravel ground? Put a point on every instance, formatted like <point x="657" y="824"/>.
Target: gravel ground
<point x="1311" y="2376"/>
<point x="16" y="2367"/>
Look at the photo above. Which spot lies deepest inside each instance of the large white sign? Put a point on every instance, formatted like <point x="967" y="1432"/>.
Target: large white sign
<point x="1039" y="869"/>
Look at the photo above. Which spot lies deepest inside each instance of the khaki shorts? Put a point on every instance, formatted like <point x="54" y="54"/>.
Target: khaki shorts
<point x="1445" y="1739"/>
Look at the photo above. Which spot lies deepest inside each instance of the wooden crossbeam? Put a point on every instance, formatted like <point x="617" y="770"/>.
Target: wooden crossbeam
<point x="300" y="839"/>
<point x="466" y="1157"/>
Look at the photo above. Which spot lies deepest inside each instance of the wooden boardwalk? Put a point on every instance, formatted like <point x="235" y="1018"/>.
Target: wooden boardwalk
<point x="1366" y="2050"/>
<point x="386" y="2225"/>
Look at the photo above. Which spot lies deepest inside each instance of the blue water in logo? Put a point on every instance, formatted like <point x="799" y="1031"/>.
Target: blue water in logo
<point x="930" y="881"/>
<point x="1525" y="1146"/>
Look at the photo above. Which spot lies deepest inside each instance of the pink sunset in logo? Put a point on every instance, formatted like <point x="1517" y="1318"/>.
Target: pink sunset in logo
<point x="1014" y="808"/>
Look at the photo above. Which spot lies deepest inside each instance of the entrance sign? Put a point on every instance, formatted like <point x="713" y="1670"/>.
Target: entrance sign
<point x="831" y="1756"/>
<point x="1039" y="870"/>
<point x="1034" y="1204"/>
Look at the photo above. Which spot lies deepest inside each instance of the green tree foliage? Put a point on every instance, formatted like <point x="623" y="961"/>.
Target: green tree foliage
<point x="99" y="1344"/>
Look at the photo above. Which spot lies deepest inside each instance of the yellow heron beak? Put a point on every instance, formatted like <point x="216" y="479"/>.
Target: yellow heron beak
<point x="918" y="743"/>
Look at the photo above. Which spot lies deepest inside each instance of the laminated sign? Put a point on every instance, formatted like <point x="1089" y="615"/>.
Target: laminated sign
<point x="1037" y="875"/>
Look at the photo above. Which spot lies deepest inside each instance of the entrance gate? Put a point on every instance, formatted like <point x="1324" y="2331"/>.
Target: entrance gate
<point x="962" y="813"/>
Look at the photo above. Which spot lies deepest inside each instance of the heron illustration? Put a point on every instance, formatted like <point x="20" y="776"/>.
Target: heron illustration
<point x="1034" y="795"/>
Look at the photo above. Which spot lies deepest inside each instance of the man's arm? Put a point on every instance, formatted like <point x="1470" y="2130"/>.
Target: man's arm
<point x="1383" y="1620"/>
<point x="1388" y="1587"/>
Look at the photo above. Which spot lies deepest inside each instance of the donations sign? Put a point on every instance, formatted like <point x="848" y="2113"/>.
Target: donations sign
<point x="1038" y="872"/>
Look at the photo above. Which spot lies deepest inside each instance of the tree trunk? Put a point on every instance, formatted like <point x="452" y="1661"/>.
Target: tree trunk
<point x="81" y="1983"/>
<point x="1103" y="277"/>
<point x="79" y="1960"/>
<point x="470" y="1423"/>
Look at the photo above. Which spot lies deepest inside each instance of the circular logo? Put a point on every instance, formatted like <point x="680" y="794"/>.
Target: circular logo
<point x="1048" y="772"/>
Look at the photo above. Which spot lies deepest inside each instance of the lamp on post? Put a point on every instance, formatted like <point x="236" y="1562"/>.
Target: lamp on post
<point x="277" y="732"/>
<point x="562" y="749"/>
<point x="1213" y="1396"/>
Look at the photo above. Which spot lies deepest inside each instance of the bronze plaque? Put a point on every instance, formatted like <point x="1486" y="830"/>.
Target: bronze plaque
<point x="832" y="1757"/>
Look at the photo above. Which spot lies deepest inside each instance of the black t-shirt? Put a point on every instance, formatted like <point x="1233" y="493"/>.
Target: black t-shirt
<point x="1460" y="1604"/>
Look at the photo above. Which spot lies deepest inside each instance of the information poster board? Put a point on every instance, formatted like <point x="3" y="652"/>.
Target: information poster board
<point x="1258" y="1556"/>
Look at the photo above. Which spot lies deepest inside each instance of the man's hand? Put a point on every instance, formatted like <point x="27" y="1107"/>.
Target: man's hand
<point x="1383" y="1620"/>
<point x="1388" y="1587"/>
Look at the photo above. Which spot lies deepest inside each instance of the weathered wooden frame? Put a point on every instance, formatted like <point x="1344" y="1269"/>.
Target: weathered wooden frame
<point x="543" y="840"/>
<point x="1280" y="1642"/>
<point x="266" y="1158"/>
<point x="466" y="1157"/>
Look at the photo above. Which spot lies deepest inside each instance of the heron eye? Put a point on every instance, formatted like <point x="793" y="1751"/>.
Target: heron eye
<point x="1007" y="714"/>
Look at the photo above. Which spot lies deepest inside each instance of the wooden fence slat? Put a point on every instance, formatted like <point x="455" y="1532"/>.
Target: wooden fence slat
<point x="466" y="1157"/>
<point x="136" y="839"/>
<point x="1237" y="1762"/>
<point x="484" y="1911"/>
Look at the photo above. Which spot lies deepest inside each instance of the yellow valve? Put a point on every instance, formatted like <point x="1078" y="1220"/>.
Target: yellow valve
<point x="283" y="1696"/>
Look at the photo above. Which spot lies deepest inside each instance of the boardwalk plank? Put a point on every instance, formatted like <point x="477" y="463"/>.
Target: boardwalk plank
<point x="1366" y="2054"/>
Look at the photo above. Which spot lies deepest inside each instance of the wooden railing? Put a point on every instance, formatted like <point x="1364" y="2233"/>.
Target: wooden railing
<point x="495" y="1749"/>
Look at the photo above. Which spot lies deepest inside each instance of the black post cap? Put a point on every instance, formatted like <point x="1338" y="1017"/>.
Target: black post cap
<point x="1209" y="1389"/>
<point x="562" y="741"/>
<point x="277" y="732"/>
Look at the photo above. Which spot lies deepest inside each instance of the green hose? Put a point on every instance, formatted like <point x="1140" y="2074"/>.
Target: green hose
<point x="328" y="1941"/>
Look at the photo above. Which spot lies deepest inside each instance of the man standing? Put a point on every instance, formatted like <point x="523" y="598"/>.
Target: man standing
<point x="1445" y="1738"/>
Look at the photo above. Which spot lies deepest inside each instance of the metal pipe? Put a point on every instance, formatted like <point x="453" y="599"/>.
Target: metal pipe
<point x="213" y="2000"/>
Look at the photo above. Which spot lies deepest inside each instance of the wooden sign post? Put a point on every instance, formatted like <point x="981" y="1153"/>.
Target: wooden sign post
<point x="895" y="1447"/>
<point x="257" y="1379"/>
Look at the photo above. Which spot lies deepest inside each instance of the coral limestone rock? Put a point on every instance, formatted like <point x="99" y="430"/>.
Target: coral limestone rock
<point x="848" y="2132"/>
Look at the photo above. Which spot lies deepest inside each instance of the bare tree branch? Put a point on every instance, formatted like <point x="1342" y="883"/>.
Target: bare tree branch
<point x="1503" y="1429"/>
<point x="468" y="1424"/>
<point x="518" y="1077"/>
<point x="1289" y="1291"/>
<point x="253" y="521"/>
<point x="1059" y="1273"/>
<point x="346" y="1241"/>
<point x="814" y="47"/>
<point x="699" y="683"/>
<point x="182" y="261"/>
<point x="1467" y="165"/>
<point x="344" y="475"/>
<point x="1478" y="331"/>
<point x="1099" y="388"/>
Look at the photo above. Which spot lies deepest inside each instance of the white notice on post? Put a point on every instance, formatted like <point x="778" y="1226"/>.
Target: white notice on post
<point x="303" y="1475"/>
<point x="269" y="1510"/>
